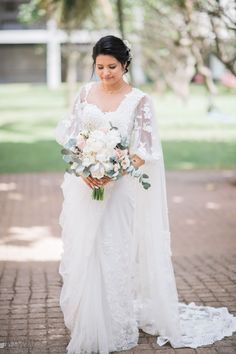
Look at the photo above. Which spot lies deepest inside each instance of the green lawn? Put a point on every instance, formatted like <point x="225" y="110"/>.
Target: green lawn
<point x="191" y="139"/>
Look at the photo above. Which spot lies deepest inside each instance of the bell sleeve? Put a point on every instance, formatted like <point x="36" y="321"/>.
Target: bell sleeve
<point x="69" y="126"/>
<point x="156" y="314"/>
<point x="145" y="141"/>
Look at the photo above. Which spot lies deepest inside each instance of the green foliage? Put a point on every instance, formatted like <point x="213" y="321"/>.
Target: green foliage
<point x="69" y="14"/>
<point x="190" y="139"/>
<point x="31" y="12"/>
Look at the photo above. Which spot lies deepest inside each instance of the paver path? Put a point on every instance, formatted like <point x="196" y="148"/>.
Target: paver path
<point x="202" y="210"/>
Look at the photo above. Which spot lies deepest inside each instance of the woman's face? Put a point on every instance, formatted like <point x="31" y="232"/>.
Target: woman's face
<point x="108" y="69"/>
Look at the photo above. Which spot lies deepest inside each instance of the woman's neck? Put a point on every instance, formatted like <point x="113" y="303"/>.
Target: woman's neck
<point x="113" y="88"/>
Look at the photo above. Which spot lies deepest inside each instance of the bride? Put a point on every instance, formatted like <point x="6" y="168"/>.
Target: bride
<point x="116" y="264"/>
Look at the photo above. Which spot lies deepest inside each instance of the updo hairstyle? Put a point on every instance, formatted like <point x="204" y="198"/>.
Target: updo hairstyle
<point x="114" y="46"/>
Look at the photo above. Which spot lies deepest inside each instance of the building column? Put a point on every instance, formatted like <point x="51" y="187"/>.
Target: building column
<point x="53" y="56"/>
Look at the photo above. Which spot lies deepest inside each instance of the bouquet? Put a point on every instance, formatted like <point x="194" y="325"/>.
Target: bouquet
<point x="98" y="153"/>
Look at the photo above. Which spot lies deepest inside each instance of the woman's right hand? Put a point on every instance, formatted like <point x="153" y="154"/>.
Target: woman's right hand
<point x="94" y="182"/>
<point x="91" y="182"/>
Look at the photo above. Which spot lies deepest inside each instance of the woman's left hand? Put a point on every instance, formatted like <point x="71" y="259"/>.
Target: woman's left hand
<point x="137" y="161"/>
<point x="102" y="181"/>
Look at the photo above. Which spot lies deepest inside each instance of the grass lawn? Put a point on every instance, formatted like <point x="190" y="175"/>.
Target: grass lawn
<point x="191" y="139"/>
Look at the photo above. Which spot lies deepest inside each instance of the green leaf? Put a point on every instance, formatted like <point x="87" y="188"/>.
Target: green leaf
<point x="70" y="171"/>
<point x="146" y="185"/>
<point x="67" y="158"/>
<point x="145" y="176"/>
<point x="75" y="158"/>
<point x="70" y="143"/>
<point x="65" y="152"/>
<point x="86" y="172"/>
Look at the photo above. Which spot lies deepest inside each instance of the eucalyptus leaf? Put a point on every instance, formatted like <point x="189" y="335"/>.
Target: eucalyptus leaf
<point x="65" y="152"/>
<point x="146" y="185"/>
<point x="79" y="169"/>
<point x="130" y="169"/>
<point x="67" y="158"/>
<point x="72" y="142"/>
<point x="77" y="159"/>
<point x="121" y="146"/>
<point x="70" y="171"/>
<point x="110" y="173"/>
<point x="86" y="172"/>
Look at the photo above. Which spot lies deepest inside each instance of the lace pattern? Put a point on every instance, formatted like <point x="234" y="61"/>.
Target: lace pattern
<point x="116" y="267"/>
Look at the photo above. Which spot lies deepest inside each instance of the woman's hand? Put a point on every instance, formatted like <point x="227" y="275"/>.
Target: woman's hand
<point x="137" y="161"/>
<point x="95" y="182"/>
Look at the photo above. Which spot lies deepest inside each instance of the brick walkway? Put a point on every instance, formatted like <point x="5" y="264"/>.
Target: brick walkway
<point x="202" y="212"/>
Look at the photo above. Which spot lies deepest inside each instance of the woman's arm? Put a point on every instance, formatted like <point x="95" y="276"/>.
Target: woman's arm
<point x="143" y="144"/>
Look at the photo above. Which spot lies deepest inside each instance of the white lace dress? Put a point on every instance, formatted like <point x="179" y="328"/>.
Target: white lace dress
<point x="116" y="264"/>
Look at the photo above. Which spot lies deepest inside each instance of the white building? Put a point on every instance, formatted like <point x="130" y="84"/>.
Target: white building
<point x="35" y="53"/>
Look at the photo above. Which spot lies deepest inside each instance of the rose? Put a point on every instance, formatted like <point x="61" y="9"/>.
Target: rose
<point x="96" y="142"/>
<point x="113" y="138"/>
<point x="116" y="167"/>
<point x="88" y="160"/>
<point x="81" y="141"/>
<point x="102" y="156"/>
<point x="125" y="163"/>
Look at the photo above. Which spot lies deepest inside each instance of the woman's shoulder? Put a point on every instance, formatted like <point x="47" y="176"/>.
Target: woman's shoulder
<point x="82" y="92"/>
<point x="85" y="86"/>
<point x="142" y="96"/>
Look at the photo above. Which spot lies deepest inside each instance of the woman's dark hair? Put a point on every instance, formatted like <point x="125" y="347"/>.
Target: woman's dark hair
<point x="114" y="46"/>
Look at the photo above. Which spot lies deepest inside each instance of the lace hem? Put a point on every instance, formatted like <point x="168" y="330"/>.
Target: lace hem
<point x="201" y="325"/>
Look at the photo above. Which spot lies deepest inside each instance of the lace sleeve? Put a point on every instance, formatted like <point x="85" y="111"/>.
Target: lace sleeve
<point x="144" y="142"/>
<point x="69" y="126"/>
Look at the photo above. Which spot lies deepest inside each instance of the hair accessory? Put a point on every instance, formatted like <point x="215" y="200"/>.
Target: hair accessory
<point x="128" y="45"/>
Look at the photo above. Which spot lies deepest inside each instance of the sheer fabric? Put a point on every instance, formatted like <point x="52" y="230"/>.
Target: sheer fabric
<point x="116" y="264"/>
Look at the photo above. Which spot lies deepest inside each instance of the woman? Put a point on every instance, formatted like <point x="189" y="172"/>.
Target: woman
<point x="116" y="265"/>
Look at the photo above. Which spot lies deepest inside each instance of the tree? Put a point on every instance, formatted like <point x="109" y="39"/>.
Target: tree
<point x="179" y="35"/>
<point x="69" y="15"/>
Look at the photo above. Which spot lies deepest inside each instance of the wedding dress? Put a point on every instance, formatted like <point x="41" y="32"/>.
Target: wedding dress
<point x="116" y="264"/>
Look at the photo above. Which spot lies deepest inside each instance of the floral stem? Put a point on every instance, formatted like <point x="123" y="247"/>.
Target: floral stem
<point x="98" y="193"/>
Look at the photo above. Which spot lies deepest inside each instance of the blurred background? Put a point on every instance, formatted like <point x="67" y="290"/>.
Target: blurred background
<point x="183" y="55"/>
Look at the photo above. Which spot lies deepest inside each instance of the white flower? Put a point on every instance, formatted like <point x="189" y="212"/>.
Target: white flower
<point x="95" y="142"/>
<point x="81" y="141"/>
<point x="108" y="166"/>
<point x="127" y="43"/>
<point x="113" y="138"/>
<point x="97" y="170"/>
<point x="86" y="162"/>
<point x="102" y="156"/>
<point x="125" y="163"/>
<point x="116" y="167"/>
<point x="88" y="159"/>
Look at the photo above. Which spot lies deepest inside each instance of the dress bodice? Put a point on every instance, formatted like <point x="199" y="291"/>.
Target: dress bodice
<point x="122" y="117"/>
<point x="134" y="118"/>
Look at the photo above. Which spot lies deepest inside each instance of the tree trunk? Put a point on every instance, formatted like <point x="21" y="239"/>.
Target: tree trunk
<point x="119" y="5"/>
<point x="71" y="72"/>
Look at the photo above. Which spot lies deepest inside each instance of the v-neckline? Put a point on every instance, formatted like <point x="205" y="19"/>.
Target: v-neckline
<point x="96" y="106"/>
